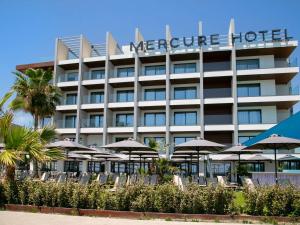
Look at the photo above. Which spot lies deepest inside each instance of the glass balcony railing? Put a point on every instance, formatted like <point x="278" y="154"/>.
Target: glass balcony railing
<point x="94" y="75"/>
<point x="66" y="78"/>
<point x="217" y="92"/>
<point x="89" y="99"/>
<point x="215" y="119"/>
<point x="216" y="66"/>
<point x="65" y="123"/>
<point x="92" y="123"/>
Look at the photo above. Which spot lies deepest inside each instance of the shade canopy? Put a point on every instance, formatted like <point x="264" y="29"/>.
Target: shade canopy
<point x="68" y="145"/>
<point x="191" y="152"/>
<point x="275" y="141"/>
<point x="289" y="158"/>
<point x="240" y="149"/>
<point x="77" y="156"/>
<point x="127" y="146"/>
<point x="200" y="144"/>
<point x="259" y="158"/>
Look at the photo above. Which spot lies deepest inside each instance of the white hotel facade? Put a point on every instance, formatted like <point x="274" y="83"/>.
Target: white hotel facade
<point x="225" y="92"/>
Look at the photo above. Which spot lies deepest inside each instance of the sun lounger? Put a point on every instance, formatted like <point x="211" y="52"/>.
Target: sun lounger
<point x="102" y="179"/>
<point x="248" y="183"/>
<point x="119" y="182"/>
<point x="85" y="178"/>
<point x="153" y="179"/>
<point x="62" y="178"/>
<point x="45" y="176"/>
<point x="222" y="181"/>
<point x="212" y="181"/>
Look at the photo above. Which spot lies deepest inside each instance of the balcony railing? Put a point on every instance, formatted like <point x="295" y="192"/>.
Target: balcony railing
<point x="64" y="78"/>
<point x="216" y="66"/>
<point x="217" y="119"/>
<point x="88" y="99"/>
<point x="217" y="92"/>
<point x="65" y="124"/>
<point x="88" y="123"/>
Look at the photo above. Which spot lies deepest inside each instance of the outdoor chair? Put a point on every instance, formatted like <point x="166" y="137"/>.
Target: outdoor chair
<point x="45" y="176"/>
<point x="119" y="182"/>
<point x="212" y="181"/>
<point x="102" y="179"/>
<point x="62" y="178"/>
<point x="85" y="178"/>
<point x="195" y="179"/>
<point x="202" y="181"/>
<point x="248" y="183"/>
<point x="132" y="179"/>
<point x="153" y="179"/>
<point x="222" y="181"/>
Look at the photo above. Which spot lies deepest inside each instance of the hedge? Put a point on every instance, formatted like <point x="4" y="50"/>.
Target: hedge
<point x="264" y="201"/>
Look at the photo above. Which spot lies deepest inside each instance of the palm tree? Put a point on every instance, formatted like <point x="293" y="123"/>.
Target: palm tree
<point x="4" y="100"/>
<point x="36" y="95"/>
<point x="20" y="142"/>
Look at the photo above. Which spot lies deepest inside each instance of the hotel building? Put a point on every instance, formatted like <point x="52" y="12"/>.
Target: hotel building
<point x="222" y="91"/>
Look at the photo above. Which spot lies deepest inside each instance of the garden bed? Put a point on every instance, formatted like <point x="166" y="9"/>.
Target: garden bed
<point x="148" y="215"/>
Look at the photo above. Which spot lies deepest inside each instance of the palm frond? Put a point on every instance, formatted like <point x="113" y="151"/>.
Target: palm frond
<point x="9" y="158"/>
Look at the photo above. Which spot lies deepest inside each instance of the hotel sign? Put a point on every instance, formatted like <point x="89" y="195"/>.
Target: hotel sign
<point x="274" y="35"/>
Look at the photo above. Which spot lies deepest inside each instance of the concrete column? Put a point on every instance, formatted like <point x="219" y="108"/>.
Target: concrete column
<point x="234" y="84"/>
<point x="201" y="87"/>
<point x="168" y="92"/>
<point x="84" y="166"/>
<point x="60" y="166"/>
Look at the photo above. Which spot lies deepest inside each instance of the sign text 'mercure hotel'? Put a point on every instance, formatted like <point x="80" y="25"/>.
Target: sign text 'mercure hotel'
<point x="213" y="39"/>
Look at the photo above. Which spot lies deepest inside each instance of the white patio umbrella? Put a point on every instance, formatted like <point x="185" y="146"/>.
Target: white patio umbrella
<point x="199" y="145"/>
<point x="276" y="142"/>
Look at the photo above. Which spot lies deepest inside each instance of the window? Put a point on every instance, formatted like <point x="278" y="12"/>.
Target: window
<point x="96" y="120"/>
<point x="124" y="120"/>
<point x="155" y="94"/>
<point x="249" y="116"/>
<point x="45" y="121"/>
<point x="155" y="70"/>
<point x="243" y="139"/>
<point x="95" y="167"/>
<point x="49" y="166"/>
<point x="248" y="90"/>
<point x="254" y="167"/>
<point x="71" y="99"/>
<point x="72" y="76"/>
<point x="97" y="74"/>
<point x="220" y="169"/>
<point x="154" y="119"/>
<point x="185" y="68"/>
<point x="185" y="118"/>
<point x="70" y="121"/>
<point x="185" y="93"/>
<point x="72" y="166"/>
<point x="180" y="140"/>
<point x="161" y="141"/>
<point x="125" y="96"/>
<point x="290" y="165"/>
<point x="125" y="72"/>
<point x="247" y="64"/>
<point x="117" y="139"/>
<point x="97" y="97"/>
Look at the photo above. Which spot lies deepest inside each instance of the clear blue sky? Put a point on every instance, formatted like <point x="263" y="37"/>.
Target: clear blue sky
<point x="29" y="27"/>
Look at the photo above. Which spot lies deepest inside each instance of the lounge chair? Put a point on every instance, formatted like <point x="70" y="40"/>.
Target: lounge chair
<point x="85" y="178"/>
<point x="248" y="183"/>
<point x="102" y="179"/>
<point x="62" y="178"/>
<point x="202" y="181"/>
<point x="153" y="180"/>
<point x="222" y="181"/>
<point x="212" y="181"/>
<point x="45" y="176"/>
<point x="119" y="182"/>
<point x="132" y="179"/>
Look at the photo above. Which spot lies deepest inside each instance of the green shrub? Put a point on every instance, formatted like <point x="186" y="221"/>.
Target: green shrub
<point x="167" y="198"/>
<point x="2" y="195"/>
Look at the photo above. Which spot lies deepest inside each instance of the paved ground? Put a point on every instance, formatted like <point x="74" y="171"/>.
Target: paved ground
<point x="23" y="218"/>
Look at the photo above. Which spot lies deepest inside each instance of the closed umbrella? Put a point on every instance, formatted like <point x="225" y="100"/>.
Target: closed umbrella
<point x="276" y="142"/>
<point x="199" y="145"/>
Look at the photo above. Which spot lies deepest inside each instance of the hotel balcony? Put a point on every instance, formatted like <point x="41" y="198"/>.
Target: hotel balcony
<point x="91" y="126"/>
<point x="218" y="95"/>
<point x="185" y="128"/>
<point x="151" y="129"/>
<point x="65" y="127"/>
<point x="152" y="104"/>
<point x="93" y="81"/>
<point x="66" y="83"/>
<point x="92" y="105"/>
<point x="255" y="127"/>
<point x="185" y="102"/>
<point x="120" y="129"/>
<point x="67" y="106"/>
<point x="217" y="120"/>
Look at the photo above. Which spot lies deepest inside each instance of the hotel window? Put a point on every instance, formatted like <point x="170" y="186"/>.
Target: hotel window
<point x="72" y="76"/>
<point x="247" y="64"/>
<point x="155" y="94"/>
<point x="160" y="140"/>
<point x="243" y="139"/>
<point x="72" y="166"/>
<point x="125" y="96"/>
<point x="70" y="121"/>
<point x="117" y="139"/>
<point x="290" y="165"/>
<point x="248" y="90"/>
<point x="125" y="72"/>
<point x="71" y="99"/>
<point x="97" y="74"/>
<point x="154" y="119"/>
<point x="49" y="166"/>
<point x="124" y="120"/>
<point x="155" y="70"/>
<point x="96" y="120"/>
<point x="185" y="93"/>
<point x="180" y="140"/>
<point x="95" y="167"/>
<point x="254" y="167"/>
<point x="97" y="97"/>
<point x="249" y="116"/>
<point x="185" y="68"/>
<point x="185" y="118"/>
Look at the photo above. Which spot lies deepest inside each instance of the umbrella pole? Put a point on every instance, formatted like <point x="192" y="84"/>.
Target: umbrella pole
<point x="129" y="163"/>
<point x="140" y="163"/>
<point x="191" y="168"/>
<point x="275" y="151"/>
<point x="238" y="168"/>
<point x="198" y="163"/>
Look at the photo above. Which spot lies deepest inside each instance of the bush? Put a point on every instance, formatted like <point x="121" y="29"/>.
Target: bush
<point x="273" y="201"/>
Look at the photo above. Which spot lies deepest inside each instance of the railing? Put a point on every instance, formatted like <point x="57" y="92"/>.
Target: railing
<point x="216" y="119"/>
<point x="63" y="78"/>
<point x="216" y="66"/>
<point x="278" y="63"/>
<point x="64" y="124"/>
<point x="87" y="99"/>
<point x="88" y="76"/>
<point x="87" y="123"/>
<point x="217" y="92"/>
